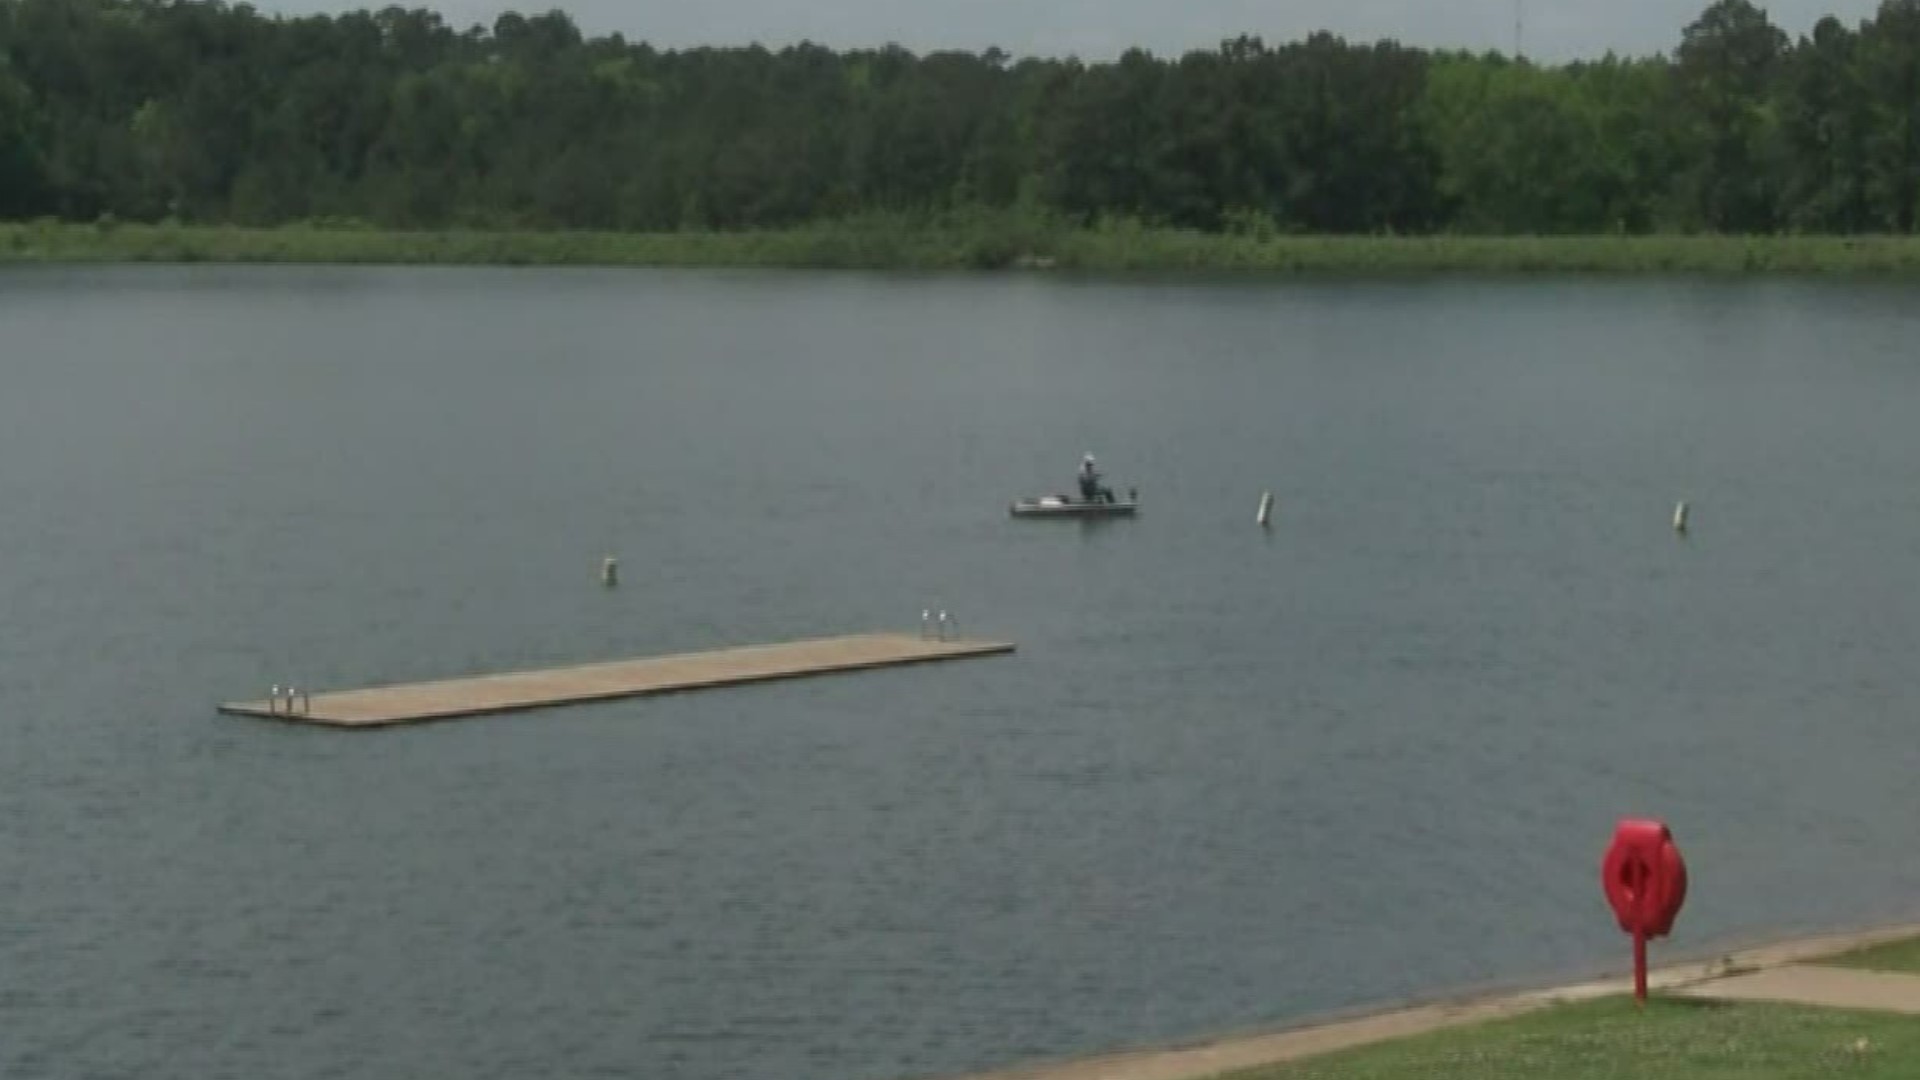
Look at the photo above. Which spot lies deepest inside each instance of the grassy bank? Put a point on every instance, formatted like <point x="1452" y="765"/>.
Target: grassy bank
<point x="1610" y="1039"/>
<point x="980" y="244"/>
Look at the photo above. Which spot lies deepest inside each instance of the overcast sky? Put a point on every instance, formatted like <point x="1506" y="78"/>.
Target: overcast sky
<point x="1100" y="29"/>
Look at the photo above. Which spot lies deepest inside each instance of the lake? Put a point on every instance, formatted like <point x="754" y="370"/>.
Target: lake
<point x="1233" y="777"/>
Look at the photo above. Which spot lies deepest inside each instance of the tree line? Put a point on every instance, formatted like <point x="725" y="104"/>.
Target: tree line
<point x="207" y="112"/>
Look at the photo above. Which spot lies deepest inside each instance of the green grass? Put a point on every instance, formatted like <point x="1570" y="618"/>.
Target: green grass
<point x="969" y="241"/>
<point x="1892" y="956"/>
<point x="1673" y="1039"/>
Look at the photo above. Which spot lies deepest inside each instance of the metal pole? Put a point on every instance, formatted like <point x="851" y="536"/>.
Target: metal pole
<point x="1639" y="967"/>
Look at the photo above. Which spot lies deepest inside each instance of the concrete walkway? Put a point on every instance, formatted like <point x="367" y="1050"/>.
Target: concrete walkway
<point x="1777" y="969"/>
<point x="1813" y="984"/>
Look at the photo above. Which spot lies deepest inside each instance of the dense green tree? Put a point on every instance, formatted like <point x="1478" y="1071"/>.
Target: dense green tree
<point x="1827" y="127"/>
<point x="1523" y="148"/>
<point x="22" y="180"/>
<point x="1890" y="70"/>
<point x="1728" y="61"/>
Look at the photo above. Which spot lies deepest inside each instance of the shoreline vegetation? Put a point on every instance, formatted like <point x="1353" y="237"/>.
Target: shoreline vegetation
<point x="978" y="244"/>
<point x="530" y="141"/>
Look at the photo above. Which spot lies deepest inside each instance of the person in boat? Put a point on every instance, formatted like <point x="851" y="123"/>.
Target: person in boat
<point x="1091" y="489"/>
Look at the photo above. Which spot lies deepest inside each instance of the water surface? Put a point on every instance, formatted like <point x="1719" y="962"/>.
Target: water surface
<point x="1232" y="777"/>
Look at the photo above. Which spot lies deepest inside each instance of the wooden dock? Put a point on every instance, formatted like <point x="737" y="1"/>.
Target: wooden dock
<point x="477" y="695"/>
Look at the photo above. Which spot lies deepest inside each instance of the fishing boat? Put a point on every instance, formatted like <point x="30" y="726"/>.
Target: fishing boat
<point x="1063" y="506"/>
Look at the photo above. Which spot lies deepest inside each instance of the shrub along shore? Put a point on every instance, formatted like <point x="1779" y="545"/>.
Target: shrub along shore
<point x="984" y="244"/>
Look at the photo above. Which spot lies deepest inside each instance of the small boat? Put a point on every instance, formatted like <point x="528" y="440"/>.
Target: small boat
<point x="1062" y="506"/>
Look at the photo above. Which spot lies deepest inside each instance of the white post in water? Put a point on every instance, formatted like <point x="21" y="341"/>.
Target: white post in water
<point x="1266" y="508"/>
<point x="926" y="623"/>
<point x="610" y="571"/>
<point x="1680" y="517"/>
<point x="273" y="699"/>
<point x="306" y="703"/>
<point x="943" y="626"/>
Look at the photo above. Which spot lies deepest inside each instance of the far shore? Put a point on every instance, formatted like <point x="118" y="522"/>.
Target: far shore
<point x="989" y="244"/>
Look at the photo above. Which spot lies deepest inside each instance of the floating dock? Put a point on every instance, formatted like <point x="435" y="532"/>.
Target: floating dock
<point x="513" y="691"/>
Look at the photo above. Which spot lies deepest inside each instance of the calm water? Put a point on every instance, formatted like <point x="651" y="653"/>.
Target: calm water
<point x="1232" y="777"/>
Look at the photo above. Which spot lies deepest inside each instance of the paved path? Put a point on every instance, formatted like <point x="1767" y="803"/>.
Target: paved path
<point x="1211" y="1057"/>
<point x="1813" y="984"/>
